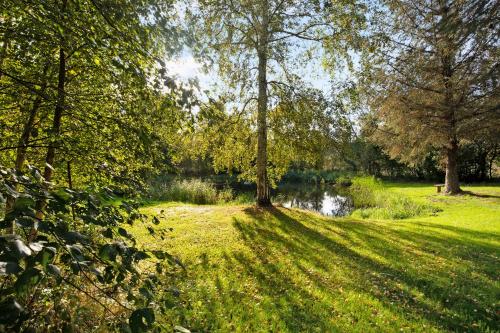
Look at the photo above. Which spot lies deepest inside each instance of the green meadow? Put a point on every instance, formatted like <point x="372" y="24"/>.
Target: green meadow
<point x="290" y="270"/>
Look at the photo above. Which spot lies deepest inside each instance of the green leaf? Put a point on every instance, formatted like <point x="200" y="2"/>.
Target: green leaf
<point x="27" y="279"/>
<point x="108" y="252"/>
<point x="73" y="237"/>
<point x="36" y="247"/>
<point x="108" y="233"/>
<point x="181" y="329"/>
<point x="76" y="252"/>
<point x="45" y="256"/>
<point x="159" y="254"/>
<point x="9" y="267"/>
<point x="123" y="232"/>
<point x="26" y="221"/>
<point x="151" y="230"/>
<point x="141" y="255"/>
<point x="24" y="203"/>
<point x="20" y="249"/>
<point x="53" y="270"/>
<point x="10" y="311"/>
<point x="141" y="320"/>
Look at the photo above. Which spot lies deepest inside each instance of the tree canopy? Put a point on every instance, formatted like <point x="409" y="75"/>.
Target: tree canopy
<point x="433" y="78"/>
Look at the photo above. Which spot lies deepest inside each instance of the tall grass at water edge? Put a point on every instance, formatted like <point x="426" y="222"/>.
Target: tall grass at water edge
<point x="190" y="190"/>
<point x="373" y="200"/>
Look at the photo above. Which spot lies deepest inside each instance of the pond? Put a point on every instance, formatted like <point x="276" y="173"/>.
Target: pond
<point x="324" y="199"/>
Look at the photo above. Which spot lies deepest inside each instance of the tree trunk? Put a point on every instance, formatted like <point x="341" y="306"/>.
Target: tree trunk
<point x="21" y="154"/>
<point x="5" y="45"/>
<point x="492" y="160"/>
<point x="22" y="146"/>
<point x="56" y="132"/>
<point x="451" y="184"/>
<point x="70" y="186"/>
<point x="263" y="198"/>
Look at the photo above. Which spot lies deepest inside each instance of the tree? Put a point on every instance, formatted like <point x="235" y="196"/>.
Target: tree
<point x="86" y="78"/>
<point x="253" y="43"/>
<point x="303" y="127"/>
<point x="434" y="78"/>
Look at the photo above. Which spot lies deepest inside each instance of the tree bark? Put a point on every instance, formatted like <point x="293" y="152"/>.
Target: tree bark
<point x="491" y="161"/>
<point x="5" y="45"/>
<point x="21" y="154"/>
<point x="451" y="184"/>
<point x="263" y="199"/>
<point x="23" y="143"/>
<point x="70" y="186"/>
<point x="56" y="132"/>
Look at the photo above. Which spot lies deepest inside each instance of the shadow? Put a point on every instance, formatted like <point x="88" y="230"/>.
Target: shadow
<point x="448" y="280"/>
<point x="479" y="195"/>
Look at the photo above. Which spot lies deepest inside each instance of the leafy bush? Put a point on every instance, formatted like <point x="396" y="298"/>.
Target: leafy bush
<point x="74" y="263"/>
<point x="190" y="190"/>
<point x="373" y="200"/>
<point x="343" y="181"/>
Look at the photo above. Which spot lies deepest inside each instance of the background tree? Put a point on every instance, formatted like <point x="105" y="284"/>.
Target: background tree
<point x="303" y="128"/>
<point x="253" y="43"/>
<point x="434" y="74"/>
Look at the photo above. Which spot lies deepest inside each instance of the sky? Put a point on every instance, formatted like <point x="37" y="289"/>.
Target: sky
<point x="186" y="67"/>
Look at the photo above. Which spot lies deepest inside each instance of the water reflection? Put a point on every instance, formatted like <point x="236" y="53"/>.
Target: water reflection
<point x="322" y="199"/>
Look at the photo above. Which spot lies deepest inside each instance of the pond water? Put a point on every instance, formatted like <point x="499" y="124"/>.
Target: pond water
<point x="324" y="199"/>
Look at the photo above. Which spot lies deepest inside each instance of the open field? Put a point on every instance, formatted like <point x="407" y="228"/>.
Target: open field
<point x="290" y="270"/>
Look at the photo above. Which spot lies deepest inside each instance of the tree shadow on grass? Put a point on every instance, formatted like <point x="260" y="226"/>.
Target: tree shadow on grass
<point x="479" y="195"/>
<point x="456" y="296"/>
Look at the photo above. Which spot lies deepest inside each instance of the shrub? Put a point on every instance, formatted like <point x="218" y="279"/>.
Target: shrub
<point x="191" y="190"/>
<point x="343" y="181"/>
<point x="372" y="200"/>
<point x="76" y="265"/>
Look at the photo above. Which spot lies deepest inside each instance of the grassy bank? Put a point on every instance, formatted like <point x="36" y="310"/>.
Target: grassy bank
<point x="373" y="199"/>
<point x="192" y="190"/>
<point x="288" y="270"/>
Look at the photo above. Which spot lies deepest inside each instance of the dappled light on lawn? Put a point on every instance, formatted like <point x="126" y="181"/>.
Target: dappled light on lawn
<point x="287" y="270"/>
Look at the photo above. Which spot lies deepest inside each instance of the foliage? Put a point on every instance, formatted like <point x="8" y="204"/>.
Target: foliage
<point x="190" y="190"/>
<point x="432" y="78"/>
<point x="373" y="200"/>
<point x="82" y="263"/>
<point x="475" y="161"/>
<point x="102" y="63"/>
<point x="287" y="270"/>
<point x="303" y="130"/>
<point x="316" y="176"/>
<point x="256" y="46"/>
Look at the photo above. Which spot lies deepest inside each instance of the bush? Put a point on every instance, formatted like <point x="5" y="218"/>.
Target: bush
<point x="75" y="267"/>
<point x="343" y="181"/>
<point x="372" y="200"/>
<point x="191" y="190"/>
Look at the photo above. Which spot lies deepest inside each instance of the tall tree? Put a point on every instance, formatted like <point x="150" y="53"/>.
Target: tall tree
<point x="87" y="79"/>
<point x="254" y="44"/>
<point x="435" y="73"/>
<point x="302" y="128"/>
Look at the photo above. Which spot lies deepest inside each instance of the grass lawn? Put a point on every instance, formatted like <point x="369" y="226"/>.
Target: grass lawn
<point x="287" y="270"/>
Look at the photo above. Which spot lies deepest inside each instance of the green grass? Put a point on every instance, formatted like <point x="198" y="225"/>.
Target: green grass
<point x="190" y="190"/>
<point x="373" y="200"/>
<point x="286" y="270"/>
